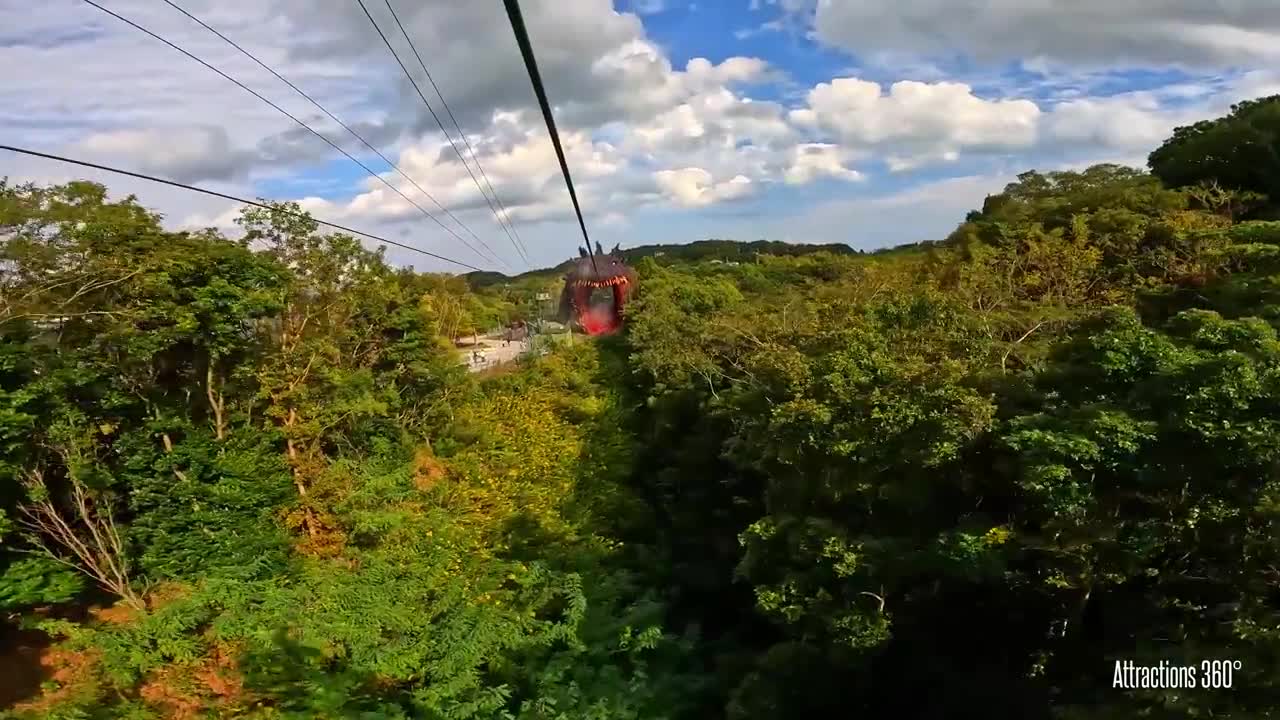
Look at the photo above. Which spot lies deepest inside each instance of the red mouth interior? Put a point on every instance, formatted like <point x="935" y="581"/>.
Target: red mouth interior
<point x="602" y="319"/>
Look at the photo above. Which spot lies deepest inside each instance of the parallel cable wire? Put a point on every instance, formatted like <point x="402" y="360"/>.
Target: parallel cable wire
<point x="474" y="157"/>
<point x="526" y="49"/>
<point x="292" y="117"/>
<point x="334" y="118"/>
<point x="454" y="145"/>
<point x="233" y="198"/>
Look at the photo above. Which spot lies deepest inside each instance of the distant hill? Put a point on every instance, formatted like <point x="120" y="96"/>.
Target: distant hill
<point x="486" y="278"/>
<point x="730" y="250"/>
<point x="906" y="249"/>
<point x="699" y="251"/>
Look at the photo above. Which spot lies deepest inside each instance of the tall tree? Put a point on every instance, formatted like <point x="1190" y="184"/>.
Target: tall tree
<point x="1240" y="151"/>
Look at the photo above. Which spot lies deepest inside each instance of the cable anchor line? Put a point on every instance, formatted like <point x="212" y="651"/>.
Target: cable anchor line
<point x="439" y="122"/>
<point x="531" y="63"/>
<point x="340" y="123"/>
<point x="292" y="117"/>
<point x="233" y="198"/>
<point x="506" y="215"/>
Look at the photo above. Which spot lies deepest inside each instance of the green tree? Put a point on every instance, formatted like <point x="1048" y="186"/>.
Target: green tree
<point x="1240" y="151"/>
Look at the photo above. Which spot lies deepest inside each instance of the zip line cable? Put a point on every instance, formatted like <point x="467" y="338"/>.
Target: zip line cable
<point x="233" y="198"/>
<point x="344" y="126"/>
<point x="286" y="113"/>
<point x="474" y="158"/>
<point x="438" y="122"/>
<point x="526" y="49"/>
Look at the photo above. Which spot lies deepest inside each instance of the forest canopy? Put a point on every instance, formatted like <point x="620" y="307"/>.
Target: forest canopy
<point x="249" y="477"/>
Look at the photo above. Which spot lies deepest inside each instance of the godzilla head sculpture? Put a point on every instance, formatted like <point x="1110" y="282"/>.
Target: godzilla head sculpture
<point x="584" y="278"/>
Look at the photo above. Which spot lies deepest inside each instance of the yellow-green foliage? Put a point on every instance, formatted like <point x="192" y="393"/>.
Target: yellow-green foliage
<point x="519" y="462"/>
<point x="954" y="478"/>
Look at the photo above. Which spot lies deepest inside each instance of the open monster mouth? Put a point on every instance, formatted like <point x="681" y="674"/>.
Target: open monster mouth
<point x="596" y="290"/>
<point x="611" y="282"/>
<point x="602" y="317"/>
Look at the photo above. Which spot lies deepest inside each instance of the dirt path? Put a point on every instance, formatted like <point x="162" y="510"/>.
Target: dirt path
<point x="495" y="353"/>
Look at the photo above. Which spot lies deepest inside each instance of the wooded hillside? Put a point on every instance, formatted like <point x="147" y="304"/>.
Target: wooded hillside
<point x="248" y="478"/>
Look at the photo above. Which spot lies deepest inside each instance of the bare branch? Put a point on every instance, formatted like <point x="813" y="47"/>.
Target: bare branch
<point x="96" y="550"/>
<point x="879" y="598"/>
<point x="1025" y="335"/>
<point x="217" y="403"/>
<point x="90" y="287"/>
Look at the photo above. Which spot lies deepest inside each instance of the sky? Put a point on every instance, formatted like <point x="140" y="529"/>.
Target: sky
<point x="863" y="122"/>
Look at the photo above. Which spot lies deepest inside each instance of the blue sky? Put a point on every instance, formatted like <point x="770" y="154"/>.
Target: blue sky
<point x="849" y="121"/>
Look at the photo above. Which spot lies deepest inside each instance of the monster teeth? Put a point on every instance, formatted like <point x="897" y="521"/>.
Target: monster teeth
<point x="611" y="282"/>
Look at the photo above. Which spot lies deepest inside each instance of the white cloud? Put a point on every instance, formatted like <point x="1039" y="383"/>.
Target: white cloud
<point x="917" y="122"/>
<point x="1131" y="121"/>
<point x="224" y="220"/>
<point x="693" y="187"/>
<point x="1255" y="84"/>
<point x="649" y="7"/>
<point x="187" y="154"/>
<point x="171" y="202"/>
<point x="812" y="161"/>
<point x="526" y="171"/>
<point x="906" y="163"/>
<point x="639" y="131"/>
<point x="1137" y="122"/>
<point x="1218" y="33"/>
<point x="786" y="6"/>
<point x="927" y="212"/>
<point x="599" y="66"/>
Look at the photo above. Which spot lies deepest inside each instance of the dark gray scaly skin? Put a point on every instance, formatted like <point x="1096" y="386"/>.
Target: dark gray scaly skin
<point x="584" y="277"/>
